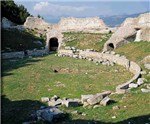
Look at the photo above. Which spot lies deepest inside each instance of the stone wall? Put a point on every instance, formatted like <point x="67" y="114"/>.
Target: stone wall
<point x="108" y="58"/>
<point x="82" y="24"/>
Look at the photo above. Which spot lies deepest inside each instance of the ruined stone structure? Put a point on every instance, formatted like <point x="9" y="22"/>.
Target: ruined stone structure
<point x="54" y="39"/>
<point x="107" y="59"/>
<point x="36" y="23"/>
<point x="71" y="24"/>
<point x="54" y="31"/>
<point x="54" y="34"/>
<point x="132" y="29"/>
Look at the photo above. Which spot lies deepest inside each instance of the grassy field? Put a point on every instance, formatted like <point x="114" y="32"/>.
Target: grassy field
<point x="11" y="40"/>
<point x="25" y="81"/>
<point x="135" y="51"/>
<point x="86" y="40"/>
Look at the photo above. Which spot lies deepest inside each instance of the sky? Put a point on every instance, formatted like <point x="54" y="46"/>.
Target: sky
<point x="53" y="10"/>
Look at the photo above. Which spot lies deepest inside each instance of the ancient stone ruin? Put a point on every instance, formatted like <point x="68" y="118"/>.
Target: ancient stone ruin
<point x="132" y="29"/>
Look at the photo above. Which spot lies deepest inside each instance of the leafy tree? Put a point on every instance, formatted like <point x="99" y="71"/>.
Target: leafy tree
<point x="13" y="12"/>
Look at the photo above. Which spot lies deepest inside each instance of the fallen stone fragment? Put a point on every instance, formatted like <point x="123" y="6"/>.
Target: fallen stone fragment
<point x="113" y="117"/>
<point x="83" y="114"/>
<point x="145" y="90"/>
<point x="85" y="104"/>
<point x="84" y="98"/>
<point x="55" y="103"/>
<point x="98" y="97"/>
<point x="147" y="66"/>
<point x="96" y="106"/>
<point x="44" y="99"/>
<point x="115" y="107"/>
<point x="140" y="81"/>
<point x="71" y="103"/>
<point x="105" y="101"/>
<point x="133" y="85"/>
<point x="95" y="99"/>
<point x="76" y="112"/>
<point x="143" y="72"/>
<point x="55" y="97"/>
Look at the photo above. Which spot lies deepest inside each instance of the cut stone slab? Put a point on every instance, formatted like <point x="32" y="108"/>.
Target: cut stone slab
<point x="115" y="107"/>
<point x="133" y="85"/>
<point x="147" y="66"/>
<point x="85" y="104"/>
<point x="55" y="103"/>
<point x="145" y="90"/>
<point x="105" y="101"/>
<point x="84" y="98"/>
<point x="98" y="97"/>
<point x="140" y="81"/>
<point x="143" y="72"/>
<point x="71" y="103"/>
<point x="55" y="97"/>
<point x="96" y="106"/>
<point x="44" y="99"/>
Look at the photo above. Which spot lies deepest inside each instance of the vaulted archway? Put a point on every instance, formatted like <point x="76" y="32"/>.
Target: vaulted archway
<point x="110" y="46"/>
<point x="53" y="44"/>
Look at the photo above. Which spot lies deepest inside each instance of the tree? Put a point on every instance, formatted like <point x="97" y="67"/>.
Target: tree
<point x="13" y="12"/>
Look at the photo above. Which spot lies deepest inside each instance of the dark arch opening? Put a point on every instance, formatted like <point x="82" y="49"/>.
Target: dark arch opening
<point x="110" y="46"/>
<point x="53" y="44"/>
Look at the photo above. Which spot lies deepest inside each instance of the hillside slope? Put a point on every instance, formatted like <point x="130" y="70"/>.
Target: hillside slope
<point x="15" y="40"/>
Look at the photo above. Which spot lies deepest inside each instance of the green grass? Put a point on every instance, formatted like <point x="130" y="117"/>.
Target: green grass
<point x="25" y="81"/>
<point x="31" y="79"/>
<point x="86" y="40"/>
<point x="135" y="51"/>
<point x="11" y="39"/>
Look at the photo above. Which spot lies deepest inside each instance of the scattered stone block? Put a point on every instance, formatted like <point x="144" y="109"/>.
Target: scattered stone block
<point x="147" y="66"/>
<point x="44" y="99"/>
<point x="85" y="104"/>
<point x="55" y="97"/>
<point x="55" y="103"/>
<point x="76" y="112"/>
<point x="133" y="85"/>
<point x="115" y="107"/>
<point x="140" y="81"/>
<point x="95" y="99"/>
<point x="83" y="114"/>
<point x="105" y="101"/>
<point x="71" y="103"/>
<point x="143" y="72"/>
<point x="98" y="97"/>
<point x="96" y="106"/>
<point x="84" y="98"/>
<point x="113" y="117"/>
<point x="145" y="90"/>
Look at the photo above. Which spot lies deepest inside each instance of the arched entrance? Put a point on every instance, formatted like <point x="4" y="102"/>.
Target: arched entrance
<point x="53" y="44"/>
<point x="110" y="46"/>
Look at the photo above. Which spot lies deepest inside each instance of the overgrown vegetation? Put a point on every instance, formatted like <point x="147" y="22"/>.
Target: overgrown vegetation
<point x="15" y="40"/>
<point x="86" y="40"/>
<point x="13" y="12"/>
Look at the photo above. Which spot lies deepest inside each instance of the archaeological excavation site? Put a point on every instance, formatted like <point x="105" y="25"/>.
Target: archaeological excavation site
<point x="76" y="71"/>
